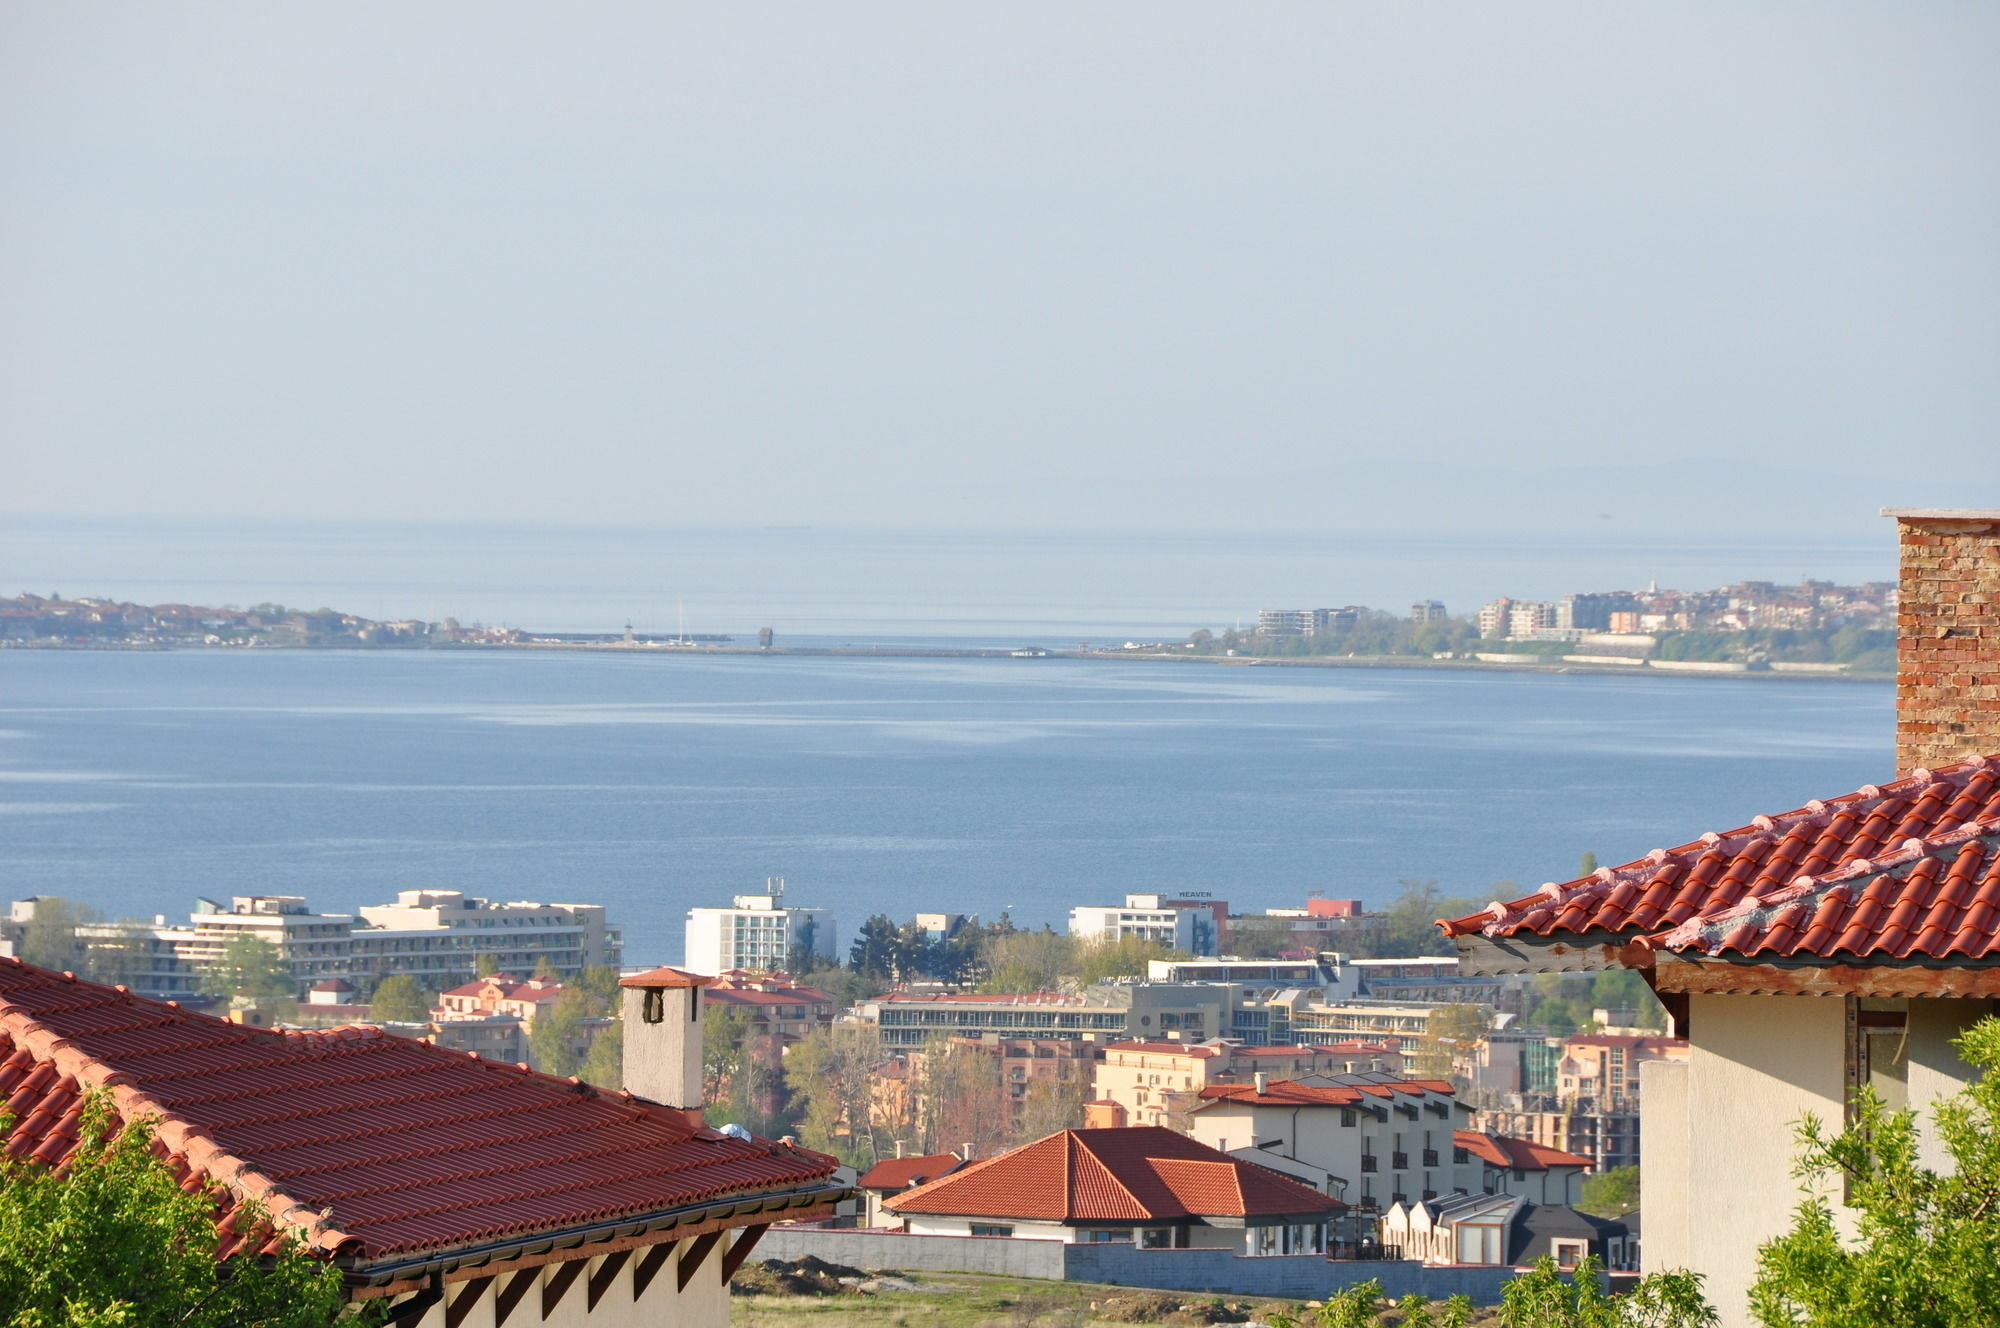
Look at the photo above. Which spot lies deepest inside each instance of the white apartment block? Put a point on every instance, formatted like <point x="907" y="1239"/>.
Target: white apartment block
<point x="757" y="933"/>
<point x="435" y="936"/>
<point x="1148" y="916"/>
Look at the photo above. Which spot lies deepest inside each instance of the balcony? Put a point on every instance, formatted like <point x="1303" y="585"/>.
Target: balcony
<point x="1430" y="1157"/>
<point x="1399" y="1161"/>
<point x="1371" y="1163"/>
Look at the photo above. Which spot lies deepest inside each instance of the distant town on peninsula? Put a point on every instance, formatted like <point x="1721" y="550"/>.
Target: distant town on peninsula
<point x="1811" y="627"/>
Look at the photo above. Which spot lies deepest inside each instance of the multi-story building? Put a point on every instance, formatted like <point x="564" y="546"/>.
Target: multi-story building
<point x="1369" y="1139"/>
<point x="1021" y="1063"/>
<point x="1526" y="617"/>
<point x="1105" y="1012"/>
<point x="1191" y="924"/>
<point x="1323" y="924"/>
<point x="1494" y="617"/>
<point x="1428" y="611"/>
<point x="1433" y="978"/>
<point x="774" y="1006"/>
<point x="1156" y="1082"/>
<point x="757" y="933"/>
<point x="436" y="937"/>
<point x="1592" y="1104"/>
<point x="1306" y="622"/>
<point x="1399" y="1024"/>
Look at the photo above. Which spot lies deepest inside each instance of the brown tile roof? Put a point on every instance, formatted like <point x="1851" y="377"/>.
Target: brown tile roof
<point x="1142" y="1173"/>
<point x="507" y="987"/>
<point x="365" y="1143"/>
<point x="1194" y="1049"/>
<point x="899" y="1173"/>
<point x="775" y="996"/>
<point x="1903" y="869"/>
<point x="1519" y="1154"/>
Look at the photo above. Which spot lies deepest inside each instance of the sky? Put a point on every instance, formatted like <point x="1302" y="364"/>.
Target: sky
<point x="1328" y="267"/>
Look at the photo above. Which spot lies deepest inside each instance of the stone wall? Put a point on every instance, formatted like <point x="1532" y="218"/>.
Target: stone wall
<point x="1948" y="637"/>
<point x="1214" y="1272"/>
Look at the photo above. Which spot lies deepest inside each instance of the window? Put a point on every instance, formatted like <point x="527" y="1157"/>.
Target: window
<point x="1100" y="1237"/>
<point x="1878" y="1049"/>
<point x="987" y="1229"/>
<point x="1156" y="1238"/>
<point x="1569" y="1253"/>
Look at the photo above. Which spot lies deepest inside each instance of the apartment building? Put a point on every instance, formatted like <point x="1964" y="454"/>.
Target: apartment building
<point x="1156" y="1082"/>
<point x="758" y="933"/>
<point x="774" y="1006"/>
<point x="1398" y="1024"/>
<point x="436" y="937"/>
<point x="1192" y="924"/>
<point x="1369" y="1139"/>
<point x="1428" y="611"/>
<point x="1106" y="1012"/>
<point x="1583" y="1098"/>
<point x="1306" y="622"/>
<point x="1323" y="924"/>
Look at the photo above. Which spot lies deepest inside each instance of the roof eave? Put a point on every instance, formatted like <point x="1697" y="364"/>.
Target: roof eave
<point x="528" y="1248"/>
<point x="1563" y="952"/>
<point x="1731" y="975"/>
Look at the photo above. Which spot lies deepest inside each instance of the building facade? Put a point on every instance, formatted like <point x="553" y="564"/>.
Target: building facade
<point x="758" y="933"/>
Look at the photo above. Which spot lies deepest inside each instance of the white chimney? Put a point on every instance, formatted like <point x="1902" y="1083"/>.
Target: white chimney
<point x="662" y="1013"/>
<point x="902" y="1148"/>
<point x="1260" y="1081"/>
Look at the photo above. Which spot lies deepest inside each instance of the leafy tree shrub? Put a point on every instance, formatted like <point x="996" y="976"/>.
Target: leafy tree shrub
<point x="399" y="1000"/>
<point x="1612" y="1193"/>
<point x="1927" y="1251"/>
<point x="111" y="1242"/>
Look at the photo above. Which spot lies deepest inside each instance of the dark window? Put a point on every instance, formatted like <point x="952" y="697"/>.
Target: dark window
<point x="656" y="1006"/>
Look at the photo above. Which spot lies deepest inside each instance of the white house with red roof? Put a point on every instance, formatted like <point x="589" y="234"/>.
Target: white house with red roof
<point x="503" y="995"/>
<point x="1806" y="952"/>
<point x="1157" y="1081"/>
<point x="461" y="1191"/>
<point x="893" y="1175"/>
<point x="1143" y="1184"/>
<point x="1369" y="1139"/>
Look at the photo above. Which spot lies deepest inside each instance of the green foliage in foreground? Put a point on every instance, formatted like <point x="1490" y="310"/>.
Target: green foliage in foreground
<point x="1927" y="1248"/>
<point x="1541" y="1298"/>
<point x="113" y="1243"/>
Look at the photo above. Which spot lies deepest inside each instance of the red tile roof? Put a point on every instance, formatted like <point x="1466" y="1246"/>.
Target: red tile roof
<point x="507" y="987"/>
<point x="1292" y="1093"/>
<point x="1142" y="1173"/>
<point x="1519" y="1154"/>
<point x="1904" y="869"/>
<point x="1195" y="1049"/>
<point x="778" y="996"/>
<point x="364" y="1143"/>
<point x="899" y="1173"/>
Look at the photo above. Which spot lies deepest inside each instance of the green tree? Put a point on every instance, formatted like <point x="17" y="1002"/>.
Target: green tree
<point x="1028" y="961"/>
<point x="545" y="969"/>
<point x="1126" y="957"/>
<point x="604" y="1065"/>
<point x="486" y="965"/>
<point x="1408" y="926"/>
<point x="552" y="1041"/>
<point x="601" y="981"/>
<point x="111" y="1242"/>
<point x="1544" y="1298"/>
<point x="1450" y="1031"/>
<point x="398" y="1000"/>
<point x="1612" y="1193"/>
<point x="250" y="966"/>
<point x="724" y="1044"/>
<point x="49" y="939"/>
<point x="1587" y="865"/>
<point x="881" y="950"/>
<point x="1926" y="1253"/>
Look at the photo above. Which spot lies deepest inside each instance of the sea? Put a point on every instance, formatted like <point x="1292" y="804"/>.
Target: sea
<point x="651" y="782"/>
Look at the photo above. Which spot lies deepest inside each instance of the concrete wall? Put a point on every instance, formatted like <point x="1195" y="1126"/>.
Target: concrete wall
<point x="1211" y="1272"/>
<point x="1935" y="1070"/>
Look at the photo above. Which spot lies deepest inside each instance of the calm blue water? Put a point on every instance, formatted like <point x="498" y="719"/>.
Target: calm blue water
<point x="137" y="781"/>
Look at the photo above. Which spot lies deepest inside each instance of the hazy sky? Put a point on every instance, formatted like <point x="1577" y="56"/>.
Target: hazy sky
<point x="1187" y="266"/>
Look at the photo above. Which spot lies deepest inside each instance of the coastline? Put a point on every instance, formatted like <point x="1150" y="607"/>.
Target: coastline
<point x="1555" y="664"/>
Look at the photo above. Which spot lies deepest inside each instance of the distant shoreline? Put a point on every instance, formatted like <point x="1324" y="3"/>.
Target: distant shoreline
<point x="1530" y="664"/>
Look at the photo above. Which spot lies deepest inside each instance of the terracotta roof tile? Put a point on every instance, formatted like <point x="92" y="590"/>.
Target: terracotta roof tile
<point x="899" y="1173"/>
<point x="1292" y="1093"/>
<point x="367" y="1143"/>
<point x="1504" y="1150"/>
<point x="1143" y="1173"/>
<point x="1909" y="868"/>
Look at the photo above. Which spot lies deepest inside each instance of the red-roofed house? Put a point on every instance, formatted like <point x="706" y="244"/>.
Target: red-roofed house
<point x="1144" y="1184"/>
<point x="501" y="994"/>
<point x="1806" y="952"/>
<point x="1521" y="1166"/>
<point x="1370" y="1139"/>
<point x="460" y="1190"/>
<point x="893" y="1175"/>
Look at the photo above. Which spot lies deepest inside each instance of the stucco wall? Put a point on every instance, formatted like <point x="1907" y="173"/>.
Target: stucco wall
<point x="1935" y="1070"/>
<point x="1664" y="1178"/>
<point x="1759" y="1064"/>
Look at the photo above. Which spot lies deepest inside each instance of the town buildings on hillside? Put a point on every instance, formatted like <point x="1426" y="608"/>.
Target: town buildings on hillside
<point x="1157" y="1082"/>
<point x="1190" y="923"/>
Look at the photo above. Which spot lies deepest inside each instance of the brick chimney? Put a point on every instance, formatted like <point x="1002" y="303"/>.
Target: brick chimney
<point x="662" y="1014"/>
<point x="1948" y="636"/>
